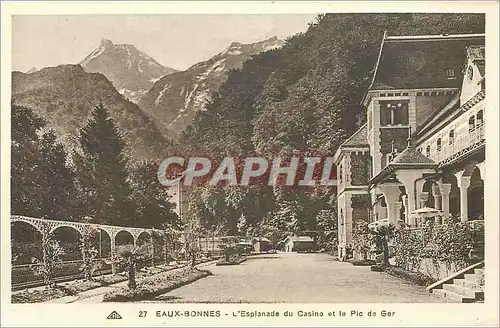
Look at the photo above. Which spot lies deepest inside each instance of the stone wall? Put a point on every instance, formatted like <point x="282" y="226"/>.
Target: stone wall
<point x="439" y="269"/>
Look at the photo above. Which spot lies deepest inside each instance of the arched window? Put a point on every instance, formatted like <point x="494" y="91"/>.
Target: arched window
<point x="438" y="144"/>
<point x="479" y="118"/>
<point x="428" y="151"/>
<point x="451" y="137"/>
<point x="472" y="122"/>
<point x="340" y="173"/>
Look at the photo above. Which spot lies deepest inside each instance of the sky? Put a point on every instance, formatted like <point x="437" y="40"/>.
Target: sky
<point x="176" y="41"/>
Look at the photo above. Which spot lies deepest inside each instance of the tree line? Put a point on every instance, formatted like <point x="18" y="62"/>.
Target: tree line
<point x="98" y="180"/>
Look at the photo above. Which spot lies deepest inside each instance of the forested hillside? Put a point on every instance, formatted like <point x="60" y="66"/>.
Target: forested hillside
<point x="304" y="97"/>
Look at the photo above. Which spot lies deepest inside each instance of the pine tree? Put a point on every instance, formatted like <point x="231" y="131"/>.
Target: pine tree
<point x="102" y="171"/>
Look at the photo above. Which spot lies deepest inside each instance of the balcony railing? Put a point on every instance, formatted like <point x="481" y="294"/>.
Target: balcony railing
<point x="460" y="146"/>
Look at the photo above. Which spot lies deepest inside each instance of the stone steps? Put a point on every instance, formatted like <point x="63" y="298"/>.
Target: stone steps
<point x="464" y="291"/>
<point x="464" y="288"/>
<point x="466" y="283"/>
<point x="452" y="297"/>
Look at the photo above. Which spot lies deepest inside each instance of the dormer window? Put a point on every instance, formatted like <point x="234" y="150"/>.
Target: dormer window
<point x="450" y="73"/>
<point x="394" y="112"/>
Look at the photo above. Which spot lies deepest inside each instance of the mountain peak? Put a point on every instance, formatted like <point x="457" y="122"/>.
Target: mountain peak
<point x="106" y="42"/>
<point x="131" y="71"/>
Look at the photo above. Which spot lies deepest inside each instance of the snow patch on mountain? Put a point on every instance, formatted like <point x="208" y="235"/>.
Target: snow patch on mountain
<point x="174" y="99"/>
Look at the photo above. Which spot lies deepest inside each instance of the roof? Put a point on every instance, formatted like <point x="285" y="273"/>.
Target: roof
<point x="358" y="139"/>
<point x="440" y="114"/>
<point x="299" y="238"/>
<point x="415" y="62"/>
<point x="410" y="158"/>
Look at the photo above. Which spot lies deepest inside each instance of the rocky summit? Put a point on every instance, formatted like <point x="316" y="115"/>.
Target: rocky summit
<point x="131" y="71"/>
<point x="174" y="99"/>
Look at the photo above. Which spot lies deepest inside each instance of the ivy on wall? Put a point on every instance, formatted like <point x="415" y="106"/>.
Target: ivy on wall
<point x="362" y="239"/>
<point x="360" y="170"/>
<point x="398" y="135"/>
<point x="360" y="201"/>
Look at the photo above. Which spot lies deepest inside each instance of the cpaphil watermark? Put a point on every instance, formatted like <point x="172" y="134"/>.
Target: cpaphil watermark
<point x="290" y="171"/>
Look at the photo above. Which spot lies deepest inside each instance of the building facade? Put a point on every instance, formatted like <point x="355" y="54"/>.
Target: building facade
<point x="423" y="142"/>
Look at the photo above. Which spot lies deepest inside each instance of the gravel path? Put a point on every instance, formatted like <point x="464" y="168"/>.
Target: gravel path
<point x="298" y="278"/>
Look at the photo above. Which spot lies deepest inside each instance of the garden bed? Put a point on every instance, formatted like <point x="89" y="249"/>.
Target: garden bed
<point x="151" y="287"/>
<point x="233" y="261"/>
<point x="413" y="277"/>
<point x="64" y="289"/>
<point x="77" y="286"/>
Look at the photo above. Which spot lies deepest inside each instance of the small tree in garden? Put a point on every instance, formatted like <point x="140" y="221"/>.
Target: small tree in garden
<point x="382" y="235"/>
<point x="89" y="253"/>
<point x="51" y="257"/>
<point x="171" y="238"/>
<point x="131" y="255"/>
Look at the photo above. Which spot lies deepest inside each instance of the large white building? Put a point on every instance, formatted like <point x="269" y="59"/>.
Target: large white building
<point x="423" y="143"/>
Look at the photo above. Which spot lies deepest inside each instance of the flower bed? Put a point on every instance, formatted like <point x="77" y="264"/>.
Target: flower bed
<point x="37" y="295"/>
<point x="154" y="286"/>
<point x="414" y="277"/>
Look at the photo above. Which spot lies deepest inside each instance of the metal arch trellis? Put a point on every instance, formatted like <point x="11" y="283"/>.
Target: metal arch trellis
<point x="42" y="225"/>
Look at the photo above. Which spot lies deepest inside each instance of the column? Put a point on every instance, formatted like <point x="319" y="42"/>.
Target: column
<point x="463" y="182"/>
<point x="405" y="204"/>
<point x="437" y="197"/>
<point x="445" y="199"/>
<point x="112" y="241"/>
<point x="424" y="196"/>
<point x="408" y="179"/>
<point x="348" y="219"/>
<point x="391" y="194"/>
<point x="482" y="169"/>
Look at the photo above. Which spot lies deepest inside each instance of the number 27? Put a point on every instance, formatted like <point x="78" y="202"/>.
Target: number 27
<point x="142" y="314"/>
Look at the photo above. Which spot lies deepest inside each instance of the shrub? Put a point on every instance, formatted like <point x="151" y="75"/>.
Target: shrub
<point x="377" y="268"/>
<point x="235" y="260"/>
<point x="361" y="263"/>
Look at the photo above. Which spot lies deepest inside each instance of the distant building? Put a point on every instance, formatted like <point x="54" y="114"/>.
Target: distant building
<point x="299" y="243"/>
<point x="261" y="244"/>
<point x="423" y="144"/>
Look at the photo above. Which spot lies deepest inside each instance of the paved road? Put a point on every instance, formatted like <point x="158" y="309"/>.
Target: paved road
<point x="298" y="278"/>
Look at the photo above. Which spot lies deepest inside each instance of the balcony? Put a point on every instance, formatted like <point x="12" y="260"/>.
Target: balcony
<point x="461" y="146"/>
